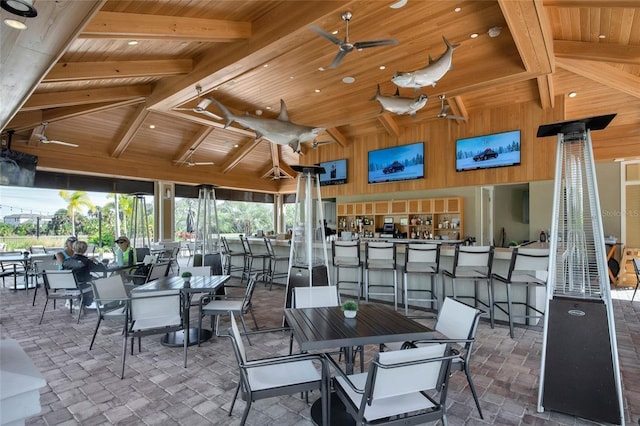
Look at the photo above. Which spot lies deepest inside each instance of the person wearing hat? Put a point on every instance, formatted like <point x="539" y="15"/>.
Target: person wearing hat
<point x="65" y="253"/>
<point x="125" y="254"/>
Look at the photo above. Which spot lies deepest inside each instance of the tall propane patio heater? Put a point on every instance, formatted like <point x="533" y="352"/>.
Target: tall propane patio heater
<point x="207" y="231"/>
<point x="579" y="370"/>
<point x="308" y="262"/>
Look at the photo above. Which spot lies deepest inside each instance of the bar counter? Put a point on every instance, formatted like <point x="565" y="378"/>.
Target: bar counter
<point x="501" y="261"/>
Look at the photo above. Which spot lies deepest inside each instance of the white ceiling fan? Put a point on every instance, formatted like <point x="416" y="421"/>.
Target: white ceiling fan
<point x="444" y="111"/>
<point x="42" y="137"/>
<point x="201" y="107"/>
<point x="190" y="163"/>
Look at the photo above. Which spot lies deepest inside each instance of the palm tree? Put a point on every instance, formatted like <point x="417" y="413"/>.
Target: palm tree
<point x="74" y="201"/>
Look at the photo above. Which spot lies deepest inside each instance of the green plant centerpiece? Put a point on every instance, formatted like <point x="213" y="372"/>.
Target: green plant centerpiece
<point x="350" y="309"/>
<point x="186" y="276"/>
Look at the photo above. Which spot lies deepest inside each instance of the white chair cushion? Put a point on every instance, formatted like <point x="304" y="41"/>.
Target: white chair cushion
<point x="222" y="306"/>
<point x="383" y="407"/>
<point x="420" y="267"/>
<point x="381" y="264"/>
<point x="274" y="376"/>
<point x="157" y="322"/>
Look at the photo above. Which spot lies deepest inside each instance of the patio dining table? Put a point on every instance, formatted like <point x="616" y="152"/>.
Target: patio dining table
<point x="210" y="284"/>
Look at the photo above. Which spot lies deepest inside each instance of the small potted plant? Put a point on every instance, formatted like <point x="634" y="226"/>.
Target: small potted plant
<point x="186" y="276"/>
<point x="350" y="309"/>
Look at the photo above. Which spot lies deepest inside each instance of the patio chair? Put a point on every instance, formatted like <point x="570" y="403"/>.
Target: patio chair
<point x="636" y="268"/>
<point x="406" y="387"/>
<point x="458" y="323"/>
<point x="283" y="375"/>
<point x="422" y="260"/>
<point x="215" y="306"/>
<point x="112" y="298"/>
<point x="381" y="257"/>
<point x="62" y="285"/>
<point x="249" y="257"/>
<point x="274" y="260"/>
<point x="228" y="255"/>
<point x="149" y="313"/>
<point x="346" y="255"/>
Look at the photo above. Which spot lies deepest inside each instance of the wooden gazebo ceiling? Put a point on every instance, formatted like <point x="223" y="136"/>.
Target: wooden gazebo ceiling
<point x="73" y="68"/>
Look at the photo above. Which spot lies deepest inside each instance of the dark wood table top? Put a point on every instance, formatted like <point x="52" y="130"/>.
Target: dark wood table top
<point x="322" y="328"/>
<point x="198" y="284"/>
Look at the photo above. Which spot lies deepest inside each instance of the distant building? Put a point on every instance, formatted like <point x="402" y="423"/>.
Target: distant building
<point x="18" y="219"/>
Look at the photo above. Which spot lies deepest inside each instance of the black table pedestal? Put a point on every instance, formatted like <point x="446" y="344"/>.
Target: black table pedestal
<point x="337" y="410"/>
<point x="176" y="338"/>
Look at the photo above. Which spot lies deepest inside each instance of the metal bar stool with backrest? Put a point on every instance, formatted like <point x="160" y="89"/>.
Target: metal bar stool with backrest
<point x="228" y="255"/>
<point x="381" y="257"/>
<point x="274" y="260"/>
<point x="346" y="255"/>
<point x="422" y="260"/>
<point x="249" y="257"/>
<point x="528" y="268"/>
<point x="472" y="263"/>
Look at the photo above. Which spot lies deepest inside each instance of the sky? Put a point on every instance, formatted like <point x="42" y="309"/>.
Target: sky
<point x="15" y="200"/>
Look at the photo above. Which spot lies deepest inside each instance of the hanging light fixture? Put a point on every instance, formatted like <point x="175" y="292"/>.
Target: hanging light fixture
<point x="19" y="7"/>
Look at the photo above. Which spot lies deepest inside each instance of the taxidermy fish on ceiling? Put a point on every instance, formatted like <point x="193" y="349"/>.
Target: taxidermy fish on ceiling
<point x="428" y="75"/>
<point x="400" y="105"/>
<point x="280" y="131"/>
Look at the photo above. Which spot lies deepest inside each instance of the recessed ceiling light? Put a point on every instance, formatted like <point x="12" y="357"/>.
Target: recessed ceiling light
<point x="474" y="35"/>
<point x="15" y="24"/>
<point x="268" y="108"/>
<point x="265" y="66"/>
<point x="572" y="94"/>
<point x="457" y="9"/>
<point x="601" y="36"/>
<point x="258" y="112"/>
<point x="348" y="80"/>
<point x="334" y="32"/>
<point x="317" y="90"/>
<point x="132" y="42"/>
<point x="291" y="77"/>
<point x="320" y="68"/>
<point x="382" y="67"/>
<point x="152" y="126"/>
<point x="236" y="145"/>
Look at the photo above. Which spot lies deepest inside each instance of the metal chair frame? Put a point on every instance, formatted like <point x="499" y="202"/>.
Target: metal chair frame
<point x="423" y="259"/>
<point x="346" y="254"/>
<point x="381" y="257"/>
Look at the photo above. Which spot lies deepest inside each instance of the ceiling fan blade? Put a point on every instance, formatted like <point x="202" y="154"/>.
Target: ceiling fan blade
<point x="203" y="163"/>
<point x="375" y="43"/>
<point x="203" y="104"/>
<point x="338" y="59"/>
<point x="326" y="35"/>
<point x="210" y="114"/>
<point x="456" y="117"/>
<point x="59" y="143"/>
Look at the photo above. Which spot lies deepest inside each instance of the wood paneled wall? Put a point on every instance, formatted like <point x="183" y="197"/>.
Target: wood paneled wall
<point x="439" y="135"/>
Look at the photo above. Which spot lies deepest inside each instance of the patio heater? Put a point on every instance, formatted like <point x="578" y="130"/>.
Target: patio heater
<point x="308" y="262"/>
<point x="207" y="231"/>
<point x="579" y="371"/>
<point x="139" y="223"/>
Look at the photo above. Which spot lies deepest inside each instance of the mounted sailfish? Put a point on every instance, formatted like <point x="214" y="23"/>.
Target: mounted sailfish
<point x="400" y="105"/>
<point x="428" y="75"/>
<point x="280" y="131"/>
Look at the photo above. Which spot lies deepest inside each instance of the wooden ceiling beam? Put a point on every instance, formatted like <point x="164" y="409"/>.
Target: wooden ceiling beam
<point x="531" y="33"/>
<point x="147" y="27"/>
<point x="223" y="63"/>
<point x="604" y="74"/>
<point x="545" y="89"/>
<point x="82" y="97"/>
<point x="78" y="71"/>
<point x="389" y="124"/>
<point x="458" y="108"/>
<point x="239" y="154"/>
<point x="203" y="120"/>
<point x="337" y="136"/>
<point x="130" y="131"/>
<point x="592" y="3"/>
<point x="597" y="51"/>
<point x="193" y="144"/>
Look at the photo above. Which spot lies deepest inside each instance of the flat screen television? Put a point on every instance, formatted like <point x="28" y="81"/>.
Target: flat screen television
<point x="335" y="172"/>
<point x="483" y="152"/>
<point x="405" y="162"/>
<point x="17" y="168"/>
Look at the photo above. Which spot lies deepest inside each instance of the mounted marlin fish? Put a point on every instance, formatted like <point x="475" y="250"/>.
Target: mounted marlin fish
<point x="400" y="105"/>
<point x="280" y="131"/>
<point x="428" y="75"/>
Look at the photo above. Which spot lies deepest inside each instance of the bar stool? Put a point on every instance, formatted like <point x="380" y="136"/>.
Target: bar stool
<point x="249" y="257"/>
<point x="228" y="255"/>
<point x="528" y="268"/>
<point x="346" y="254"/>
<point x="274" y="259"/>
<point x="381" y="257"/>
<point x="472" y="263"/>
<point x="422" y="259"/>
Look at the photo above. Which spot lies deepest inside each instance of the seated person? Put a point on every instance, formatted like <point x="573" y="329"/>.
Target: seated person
<point x="67" y="252"/>
<point x="82" y="267"/>
<point x="125" y="254"/>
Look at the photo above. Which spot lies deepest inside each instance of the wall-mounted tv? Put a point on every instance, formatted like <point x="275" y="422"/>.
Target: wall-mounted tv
<point x="403" y="162"/>
<point x="335" y="172"/>
<point x="17" y="168"/>
<point x="483" y="152"/>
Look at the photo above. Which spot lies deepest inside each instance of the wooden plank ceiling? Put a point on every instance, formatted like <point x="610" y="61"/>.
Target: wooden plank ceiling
<point x="130" y="107"/>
